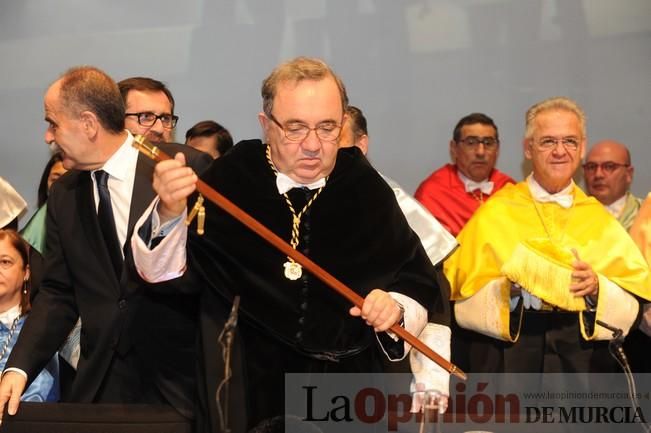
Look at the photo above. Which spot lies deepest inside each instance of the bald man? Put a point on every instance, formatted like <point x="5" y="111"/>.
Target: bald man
<point x="608" y="176"/>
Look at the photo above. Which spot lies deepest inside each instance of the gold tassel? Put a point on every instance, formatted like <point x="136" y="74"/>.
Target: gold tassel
<point x="201" y="221"/>
<point x="197" y="210"/>
<point x="543" y="270"/>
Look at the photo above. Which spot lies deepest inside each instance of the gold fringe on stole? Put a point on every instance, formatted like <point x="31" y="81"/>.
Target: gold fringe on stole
<point x="544" y="270"/>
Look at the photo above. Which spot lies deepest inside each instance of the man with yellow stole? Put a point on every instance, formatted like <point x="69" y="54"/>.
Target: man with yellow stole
<point x="541" y="262"/>
<point x="636" y="345"/>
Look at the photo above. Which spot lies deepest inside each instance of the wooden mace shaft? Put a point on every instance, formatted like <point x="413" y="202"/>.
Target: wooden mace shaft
<point x="211" y="194"/>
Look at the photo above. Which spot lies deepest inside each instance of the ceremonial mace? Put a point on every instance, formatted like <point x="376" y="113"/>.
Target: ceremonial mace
<point x="153" y="152"/>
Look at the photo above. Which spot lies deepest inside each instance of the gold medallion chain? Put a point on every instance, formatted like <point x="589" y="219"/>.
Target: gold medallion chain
<point x="293" y="270"/>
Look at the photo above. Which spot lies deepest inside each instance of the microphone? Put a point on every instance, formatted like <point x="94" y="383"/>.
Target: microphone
<point x="618" y="334"/>
<point x="226" y="338"/>
<point x="615" y="345"/>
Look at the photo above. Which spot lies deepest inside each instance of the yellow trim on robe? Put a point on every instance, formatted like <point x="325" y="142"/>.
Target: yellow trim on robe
<point x="510" y="218"/>
<point x="493" y="303"/>
<point x="641" y="228"/>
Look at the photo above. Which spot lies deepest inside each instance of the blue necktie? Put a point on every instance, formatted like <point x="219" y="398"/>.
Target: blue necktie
<point x="107" y="221"/>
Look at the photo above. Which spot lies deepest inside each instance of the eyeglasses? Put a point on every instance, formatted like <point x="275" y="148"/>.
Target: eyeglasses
<point x="489" y="143"/>
<point x="547" y="143"/>
<point x="296" y="131"/>
<point x="607" y="167"/>
<point x="148" y="119"/>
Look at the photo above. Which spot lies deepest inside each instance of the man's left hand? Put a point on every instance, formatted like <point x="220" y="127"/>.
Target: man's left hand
<point x="379" y="310"/>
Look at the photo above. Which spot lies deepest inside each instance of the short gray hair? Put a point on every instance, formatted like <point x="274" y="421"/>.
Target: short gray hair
<point x="295" y="71"/>
<point x="556" y="103"/>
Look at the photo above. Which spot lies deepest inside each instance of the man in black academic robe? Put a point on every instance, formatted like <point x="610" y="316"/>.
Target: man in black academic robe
<point x="350" y="224"/>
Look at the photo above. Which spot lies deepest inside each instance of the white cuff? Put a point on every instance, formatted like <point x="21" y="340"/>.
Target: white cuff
<point x="429" y="376"/>
<point x="415" y="320"/>
<point x="168" y="259"/>
<point x="16" y="370"/>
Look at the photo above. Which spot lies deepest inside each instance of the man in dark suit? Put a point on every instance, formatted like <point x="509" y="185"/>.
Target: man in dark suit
<point x="91" y="213"/>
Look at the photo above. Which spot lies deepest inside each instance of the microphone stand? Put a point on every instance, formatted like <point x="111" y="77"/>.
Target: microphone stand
<point x="617" y="351"/>
<point x="225" y="339"/>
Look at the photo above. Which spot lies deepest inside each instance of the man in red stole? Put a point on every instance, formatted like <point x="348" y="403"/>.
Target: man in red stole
<point x="454" y="192"/>
<point x="541" y="264"/>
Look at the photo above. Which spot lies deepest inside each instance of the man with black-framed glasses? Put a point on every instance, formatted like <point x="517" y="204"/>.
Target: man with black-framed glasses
<point x="608" y="174"/>
<point x="454" y="192"/>
<point x="149" y="108"/>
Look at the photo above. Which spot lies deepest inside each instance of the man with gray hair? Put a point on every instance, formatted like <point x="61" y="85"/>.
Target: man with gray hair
<point x="126" y="355"/>
<point x="533" y="274"/>
<point x="327" y="203"/>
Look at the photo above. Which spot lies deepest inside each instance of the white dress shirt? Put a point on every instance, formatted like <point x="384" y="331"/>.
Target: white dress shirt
<point x="284" y="183"/>
<point x="121" y="168"/>
<point x="7" y="318"/>
<point x="616" y="207"/>
<point x="485" y="186"/>
<point x="564" y="198"/>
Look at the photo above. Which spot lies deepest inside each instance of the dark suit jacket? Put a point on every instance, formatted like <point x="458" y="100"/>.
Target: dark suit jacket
<point x="120" y="316"/>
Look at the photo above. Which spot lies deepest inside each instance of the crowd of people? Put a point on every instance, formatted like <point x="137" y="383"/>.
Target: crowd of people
<point x="125" y="279"/>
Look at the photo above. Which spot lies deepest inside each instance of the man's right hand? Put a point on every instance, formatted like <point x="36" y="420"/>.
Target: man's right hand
<point x="11" y="388"/>
<point x="173" y="182"/>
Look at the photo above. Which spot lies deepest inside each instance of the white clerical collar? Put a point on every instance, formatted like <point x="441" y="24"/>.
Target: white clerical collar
<point x="7" y="318"/>
<point x="563" y="198"/>
<point x="284" y="183"/>
<point x="616" y="207"/>
<point x="485" y="186"/>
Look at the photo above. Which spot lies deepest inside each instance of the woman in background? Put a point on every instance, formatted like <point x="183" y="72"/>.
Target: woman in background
<point x="53" y="170"/>
<point x="34" y="230"/>
<point x="14" y="307"/>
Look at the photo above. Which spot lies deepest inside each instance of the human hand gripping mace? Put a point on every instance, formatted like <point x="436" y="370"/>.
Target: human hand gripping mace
<point x="153" y="152"/>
